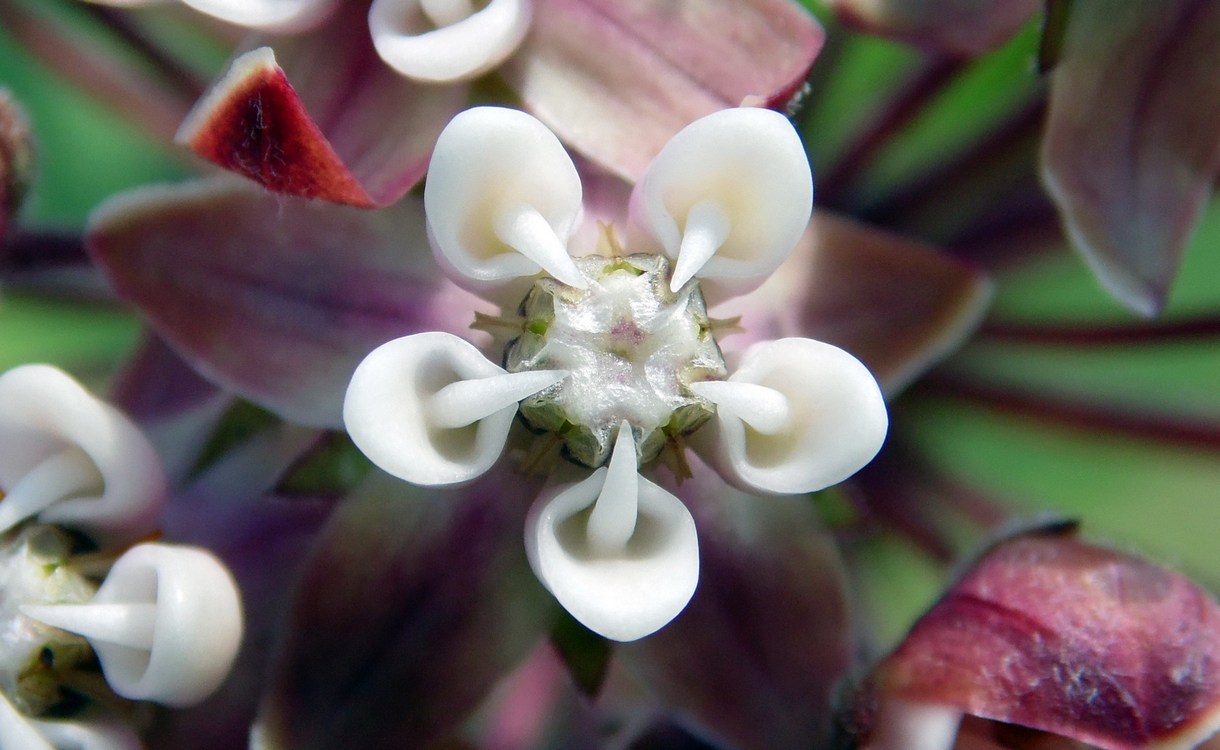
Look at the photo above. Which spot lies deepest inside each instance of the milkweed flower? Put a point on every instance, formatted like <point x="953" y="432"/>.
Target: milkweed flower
<point x="80" y="484"/>
<point x="611" y="358"/>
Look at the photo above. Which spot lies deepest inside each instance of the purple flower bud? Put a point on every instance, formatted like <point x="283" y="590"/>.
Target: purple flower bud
<point x="1051" y="634"/>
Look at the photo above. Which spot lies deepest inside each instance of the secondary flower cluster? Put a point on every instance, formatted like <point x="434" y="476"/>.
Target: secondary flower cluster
<point x="610" y="359"/>
<point x="80" y="484"/>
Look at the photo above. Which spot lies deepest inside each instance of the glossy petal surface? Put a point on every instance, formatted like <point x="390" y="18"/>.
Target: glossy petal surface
<point x="631" y="592"/>
<point x="1130" y="185"/>
<point x="166" y="623"/>
<point x="413" y="606"/>
<point x="667" y="63"/>
<point x="390" y="409"/>
<point x="449" y="48"/>
<point x="283" y="309"/>
<point x="502" y="199"/>
<point x="830" y="419"/>
<point x="728" y="197"/>
<point x="1051" y="633"/>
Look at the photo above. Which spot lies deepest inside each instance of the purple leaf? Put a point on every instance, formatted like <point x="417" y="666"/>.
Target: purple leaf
<point x="1132" y="140"/>
<point x="896" y="304"/>
<point x="1051" y="633"/>
<point x="756" y="656"/>
<point x="615" y="80"/>
<point x="958" y="27"/>
<point x="274" y="298"/>
<point x="413" y="606"/>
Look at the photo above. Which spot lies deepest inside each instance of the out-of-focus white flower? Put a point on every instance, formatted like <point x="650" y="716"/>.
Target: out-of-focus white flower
<point x="80" y="482"/>
<point x="68" y="458"/>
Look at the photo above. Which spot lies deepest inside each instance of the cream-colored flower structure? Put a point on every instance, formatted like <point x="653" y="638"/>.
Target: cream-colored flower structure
<point x="612" y="354"/>
<point x="166" y="622"/>
<point x="442" y="41"/>
<point x="68" y="458"/>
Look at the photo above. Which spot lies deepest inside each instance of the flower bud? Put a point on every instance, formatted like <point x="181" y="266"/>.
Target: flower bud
<point x="1048" y="637"/>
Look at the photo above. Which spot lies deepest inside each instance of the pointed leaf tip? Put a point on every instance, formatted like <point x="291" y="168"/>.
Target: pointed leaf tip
<point x="1132" y="142"/>
<point x="253" y="123"/>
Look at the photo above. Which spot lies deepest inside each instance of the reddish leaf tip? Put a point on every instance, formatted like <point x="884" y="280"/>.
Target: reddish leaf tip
<point x="253" y="123"/>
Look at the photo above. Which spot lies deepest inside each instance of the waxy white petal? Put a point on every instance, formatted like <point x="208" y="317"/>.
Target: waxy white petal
<point x="72" y="459"/>
<point x="166" y="623"/>
<point x="624" y="594"/>
<point x="732" y="192"/>
<point x="502" y="199"/>
<point x="902" y="725"/>
<point x="614" y="515"/>
<point x="446" y="40"/>
<point x="465" y="402"/>
<point x="764" y="409"/>
<point x="400" y="407"/>
<point x="836" y="420"/>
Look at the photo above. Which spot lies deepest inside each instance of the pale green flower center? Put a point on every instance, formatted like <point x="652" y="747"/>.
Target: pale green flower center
<point x="632" y="347"/>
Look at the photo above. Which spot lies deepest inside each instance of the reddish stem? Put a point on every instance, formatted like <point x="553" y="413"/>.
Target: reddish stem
<point x="911" y="99"/>
<point x="1101" y="334"/>
<point x="1018" y="132"/>
<point x="1081" y="415"/>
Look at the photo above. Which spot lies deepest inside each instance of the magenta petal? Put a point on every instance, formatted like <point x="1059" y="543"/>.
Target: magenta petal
<point x="1133" y="138"/>
<point x="413" y="606"/>
<point x="616" y="79"/>
<point x="758" y="653"/>
<point x="274" y="298"/>
<point x="1054" y="634"/>
<point x="960" y="27"/>
<point x="896" y="304"/>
